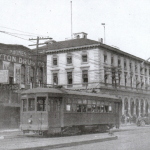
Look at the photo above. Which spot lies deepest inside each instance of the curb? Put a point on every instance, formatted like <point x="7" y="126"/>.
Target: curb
<point x="63" y="145"/>
<point x="10" y="130"/>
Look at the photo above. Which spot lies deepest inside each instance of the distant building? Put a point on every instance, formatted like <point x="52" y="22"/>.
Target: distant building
<point x="21" y="64"/>
<point x="84" y="64"/>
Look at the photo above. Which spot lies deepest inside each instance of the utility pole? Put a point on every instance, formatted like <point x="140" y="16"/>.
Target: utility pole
<point x="37" y="56"/>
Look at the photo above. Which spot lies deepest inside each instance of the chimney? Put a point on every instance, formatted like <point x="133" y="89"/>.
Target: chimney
<point x="100" y="40"/>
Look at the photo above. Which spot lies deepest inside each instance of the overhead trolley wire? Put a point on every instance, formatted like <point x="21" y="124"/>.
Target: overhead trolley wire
<point x="15" y="36"/>
<point x="22" y="31"/>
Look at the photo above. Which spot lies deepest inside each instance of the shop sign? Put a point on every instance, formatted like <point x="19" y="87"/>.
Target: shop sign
<point x="20" y="60"/>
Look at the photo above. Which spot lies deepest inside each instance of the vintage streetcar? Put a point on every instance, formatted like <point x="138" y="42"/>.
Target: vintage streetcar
<point x="58" y="111"/>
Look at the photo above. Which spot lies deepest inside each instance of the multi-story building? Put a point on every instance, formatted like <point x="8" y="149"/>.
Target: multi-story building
<point x="21" y="64"/>
<point x="84" y="64"/>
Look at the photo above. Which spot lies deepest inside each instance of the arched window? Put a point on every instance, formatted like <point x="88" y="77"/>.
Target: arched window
<point x="126" y="106"/>
<point x="132" y="107"/>
<point x="142" y="105"/>
<point x="146" y="107"/>
<point x="137" y="107"/>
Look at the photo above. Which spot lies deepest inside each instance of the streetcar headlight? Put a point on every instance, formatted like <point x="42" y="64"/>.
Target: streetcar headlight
<point x="30" y="121"/>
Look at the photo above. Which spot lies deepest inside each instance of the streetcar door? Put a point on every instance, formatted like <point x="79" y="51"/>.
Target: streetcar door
<point x="55" y="109"/>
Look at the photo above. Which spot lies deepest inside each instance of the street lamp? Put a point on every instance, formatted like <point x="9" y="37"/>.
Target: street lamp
<point x="103" y="24"/>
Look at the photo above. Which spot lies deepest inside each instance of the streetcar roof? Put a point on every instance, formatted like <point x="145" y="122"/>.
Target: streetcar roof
<point x="66" y="92"/>
<point x="91" y="94"/>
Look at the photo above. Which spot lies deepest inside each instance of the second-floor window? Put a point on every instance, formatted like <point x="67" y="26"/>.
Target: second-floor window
<point x="69" y="77"/>
<point x="125" y="79"/>
<point x="145" y="71"/>
<point x="130" y="65"/>
<point x="55" y="78"/>
<point x="85" y="76"/>
<point x="141" y="69"/>
<point x="119" y="62"/>
<point x="105" y="77"/>
<point x="119" y="78"/>
<point x="131" y="82"/>
<point x="112" y="60"/>
<point x="105" y="58"/>
<point x="136" y="68"/>
<point x="69" y="59"/>
<point x="55" y="61"/>
<point x="84" y="58"/>
<point x="142" y="83"/>
<point x="125" y="65"/>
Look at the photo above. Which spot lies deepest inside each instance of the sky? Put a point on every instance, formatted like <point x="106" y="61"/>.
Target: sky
<point x="127" y="22"/>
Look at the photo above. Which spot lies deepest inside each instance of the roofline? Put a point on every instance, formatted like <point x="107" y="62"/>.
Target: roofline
<point x="72" y="48"/>
<point x="122" y="52"/>
<point x="97" y="45"/>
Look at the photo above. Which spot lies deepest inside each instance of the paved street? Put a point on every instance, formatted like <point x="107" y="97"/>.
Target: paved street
<point x="137" y="139"/>
<point x="128" y="138"/>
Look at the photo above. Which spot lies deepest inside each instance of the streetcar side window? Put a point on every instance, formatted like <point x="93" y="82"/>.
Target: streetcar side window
<point x="31" y="104"/>
<point x="98" y="106"/>
<point x="74" y="105"/>
<point x="106" y="108"/>
<point x="110" y="107"/>
<point x="24" y="104"/>
<point x="68" y="104"/>
<point x="83" y="105"/>
<point x="102" y="109"/>
<point x="41" y="103"/>
<point x="93" y="106"/>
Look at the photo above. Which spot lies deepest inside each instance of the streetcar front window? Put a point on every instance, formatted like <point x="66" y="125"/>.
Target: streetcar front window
<point x="41" y="103"/>
<point x="31" y="104"/>
<point x="24" y="104"/>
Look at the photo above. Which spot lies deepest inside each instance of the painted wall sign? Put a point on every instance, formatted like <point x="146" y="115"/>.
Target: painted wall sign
<point x="20" y="60"/>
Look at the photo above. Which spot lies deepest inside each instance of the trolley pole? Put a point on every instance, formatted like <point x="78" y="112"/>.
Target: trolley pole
<point x="37" y="57"/>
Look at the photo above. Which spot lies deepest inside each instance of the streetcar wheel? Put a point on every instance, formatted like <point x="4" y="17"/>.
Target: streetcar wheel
<point x="142" y="123"/>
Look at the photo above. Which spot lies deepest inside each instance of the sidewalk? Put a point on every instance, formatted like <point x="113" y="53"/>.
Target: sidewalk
<point x="56" y="142"/>
<point x="38" y="143"/>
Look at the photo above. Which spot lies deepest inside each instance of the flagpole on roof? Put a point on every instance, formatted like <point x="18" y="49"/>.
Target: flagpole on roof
<point x="103" y="24"/>
<point x="71" y="18"/>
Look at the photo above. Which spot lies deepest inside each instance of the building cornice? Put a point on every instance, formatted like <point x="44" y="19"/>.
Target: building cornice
<point x="125" y="54"/>
<point x="100" y="45"/>
<point x="72" y="48"/>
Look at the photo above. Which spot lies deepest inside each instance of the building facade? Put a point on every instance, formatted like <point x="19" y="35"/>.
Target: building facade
<point x="84" y="64"/>
<point x="24" y="72"/>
